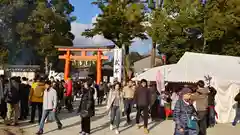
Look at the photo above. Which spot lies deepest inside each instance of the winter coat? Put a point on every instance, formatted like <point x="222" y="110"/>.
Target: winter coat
<point x="111" y="98"/>
<point x="180" y="117"/>
<point x="153" y="95"/>
<point x="12" y="92"/>
<point x="50" y="99"/>
<point x="69" y="88"/>
<point x="36" y="92"/>
<point x="211" y="96"/>
<point x="24" y="91"/>
<point x="86" y="102"/>
<point x="106" y="88"/>
<point x="128" y="92"/>
<point x="201" y="98"/>
<point x="59" y="90"/>
<point x="237" y="99"/>
<point x="142" y="96"/>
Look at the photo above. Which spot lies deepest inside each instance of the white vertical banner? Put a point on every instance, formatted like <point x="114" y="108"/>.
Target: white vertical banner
<point x="160" y="81"/>
<point x="117" y="67"/>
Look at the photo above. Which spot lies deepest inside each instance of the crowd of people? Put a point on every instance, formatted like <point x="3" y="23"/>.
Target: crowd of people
<point x="192" y="109"/>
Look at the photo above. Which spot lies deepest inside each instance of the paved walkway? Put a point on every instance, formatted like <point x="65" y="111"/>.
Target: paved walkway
<point x="100" y="126"/>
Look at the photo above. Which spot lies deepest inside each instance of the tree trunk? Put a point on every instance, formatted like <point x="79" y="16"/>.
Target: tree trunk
<point x="126" y="62"/>
<point x="46" y="64"/>
<point x="153" y="54"/>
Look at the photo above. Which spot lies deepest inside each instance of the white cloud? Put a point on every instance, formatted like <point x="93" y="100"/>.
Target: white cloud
<point x="78" y="28"/>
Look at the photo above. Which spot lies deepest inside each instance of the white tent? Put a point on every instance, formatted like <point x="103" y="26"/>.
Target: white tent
<point x="225" y="71"/>
<point x="150" y="75"/>
<point x="194" y="66"/>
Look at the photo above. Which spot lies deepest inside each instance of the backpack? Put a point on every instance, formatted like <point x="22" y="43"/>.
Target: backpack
<point x="38" y="92"/>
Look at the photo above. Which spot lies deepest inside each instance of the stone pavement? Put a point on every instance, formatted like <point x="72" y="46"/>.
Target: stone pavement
<point x="100" y="126"/>
<point x="5" y="130"/>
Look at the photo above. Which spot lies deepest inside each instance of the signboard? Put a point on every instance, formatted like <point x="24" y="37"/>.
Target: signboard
<point x="55" y="75"/>
<point x="117" y="67"/>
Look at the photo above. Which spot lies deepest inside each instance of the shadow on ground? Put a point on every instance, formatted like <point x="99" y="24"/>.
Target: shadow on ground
<point x="10" y="130"/>
<point x="99" y="116"/>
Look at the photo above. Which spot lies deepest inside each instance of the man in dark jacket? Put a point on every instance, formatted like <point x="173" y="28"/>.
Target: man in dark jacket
<point x="24" y="94"/>
<point x="12" y="99"/>
<point x="142" y="98"/>
<point x="237" y="117"/>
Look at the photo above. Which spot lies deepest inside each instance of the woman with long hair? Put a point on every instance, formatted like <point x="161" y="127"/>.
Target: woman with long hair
<point x="85" y="108"/>
<point x="115" y="106"/>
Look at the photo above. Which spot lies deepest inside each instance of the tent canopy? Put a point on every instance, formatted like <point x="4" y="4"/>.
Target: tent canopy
<point x="194" y="66"/>
<point x="150" y="75"/>
<point x="225" y="74"/>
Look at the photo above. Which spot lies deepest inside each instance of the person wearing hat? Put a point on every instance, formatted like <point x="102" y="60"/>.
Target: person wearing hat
<point x="183" y="112"/>
<point x="49" y="106"/>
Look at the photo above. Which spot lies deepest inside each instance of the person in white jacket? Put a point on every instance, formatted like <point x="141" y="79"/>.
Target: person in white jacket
<point x="49" y="106"/>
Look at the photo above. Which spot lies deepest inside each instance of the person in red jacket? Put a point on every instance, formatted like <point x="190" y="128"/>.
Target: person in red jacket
<point x="68" y="94"/>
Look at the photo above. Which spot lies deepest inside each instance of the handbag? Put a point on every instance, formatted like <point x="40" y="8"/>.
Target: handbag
<point x="191" y="123"/>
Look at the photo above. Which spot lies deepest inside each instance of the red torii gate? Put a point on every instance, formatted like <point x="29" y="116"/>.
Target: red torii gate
<point x="68" y="57"/>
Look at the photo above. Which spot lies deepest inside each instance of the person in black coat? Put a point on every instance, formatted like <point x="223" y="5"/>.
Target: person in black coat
<point x="24" y="94"/>
<point x="85" y="108"/>
<point x="60" y="95"/>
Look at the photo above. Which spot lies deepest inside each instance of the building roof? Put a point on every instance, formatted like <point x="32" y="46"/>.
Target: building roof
<point x="145" y="63"/>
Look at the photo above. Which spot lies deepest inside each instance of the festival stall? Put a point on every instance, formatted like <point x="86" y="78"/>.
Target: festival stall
<point x="150" y="75"/>
<point x="221" y="71"/>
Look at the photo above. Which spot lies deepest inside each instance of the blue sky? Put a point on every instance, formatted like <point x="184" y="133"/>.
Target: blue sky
<point x="84" y="10"/>
<point x="86" y="14"/>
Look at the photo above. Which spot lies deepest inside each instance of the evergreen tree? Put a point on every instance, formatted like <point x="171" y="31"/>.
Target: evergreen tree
<point x="119" y="22"/>
<point x="37" y="24"/>
<point x="186" y="25"/>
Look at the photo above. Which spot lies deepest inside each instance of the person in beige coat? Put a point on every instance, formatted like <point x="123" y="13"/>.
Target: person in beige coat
<point x="115" y="106"/>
